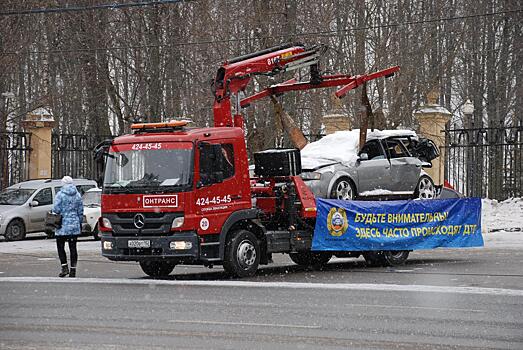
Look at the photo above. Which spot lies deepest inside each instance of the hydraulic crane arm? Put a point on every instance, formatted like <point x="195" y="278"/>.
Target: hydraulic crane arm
<point x="235" y="74"/>
<point x="348" y="82"/>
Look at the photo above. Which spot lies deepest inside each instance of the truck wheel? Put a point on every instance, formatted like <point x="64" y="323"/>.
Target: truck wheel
<point x="242" y="254"/>
<point x="157" y="268"/>
<point x="316" y="260"/>
<point x="342" y="189"/>
<point x="375" y="258"/>
<point x="396" y="257"/>
<point x="15" y="231"/>
<point x="425" y="188"/>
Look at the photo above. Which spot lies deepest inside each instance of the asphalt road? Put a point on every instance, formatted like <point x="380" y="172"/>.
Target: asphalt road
<point x="466" y="299"/>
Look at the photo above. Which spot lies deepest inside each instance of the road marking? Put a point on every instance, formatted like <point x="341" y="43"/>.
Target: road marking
<point x="283" y="285"/>
<point x="46" y="259"/>
<point x="247" y="324"/>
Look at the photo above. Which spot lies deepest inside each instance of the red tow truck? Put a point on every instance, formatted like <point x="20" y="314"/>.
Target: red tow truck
<point x="179" y="195"/>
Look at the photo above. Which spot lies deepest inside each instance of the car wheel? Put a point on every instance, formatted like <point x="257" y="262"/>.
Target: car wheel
<point x="157" y="268"/>
<point x="342" y="189"/>
<point x="96" y="233"/>
<point x="425" y="188"/>
<point x="316" y="260"/>
<point x="242" y="254"/>
<point x="396" y="257"/>
<point x="15" y="231"/>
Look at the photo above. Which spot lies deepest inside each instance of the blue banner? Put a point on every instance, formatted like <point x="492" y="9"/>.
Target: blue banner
<point x="397" y="225"/>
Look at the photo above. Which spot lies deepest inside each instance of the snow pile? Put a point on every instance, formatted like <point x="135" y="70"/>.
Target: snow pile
<point x="502" y="216"/>
<point x="342" y="146"/>
<point x="502" y="223"/>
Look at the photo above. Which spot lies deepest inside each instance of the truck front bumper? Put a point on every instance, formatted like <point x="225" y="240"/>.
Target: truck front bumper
<point x="180" y="246"/>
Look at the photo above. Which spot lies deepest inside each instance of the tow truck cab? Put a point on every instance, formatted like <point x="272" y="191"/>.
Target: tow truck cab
<point x="170" y="191"/>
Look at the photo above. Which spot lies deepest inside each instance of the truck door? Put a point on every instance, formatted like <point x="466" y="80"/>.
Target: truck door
<point x="218" y="184"/>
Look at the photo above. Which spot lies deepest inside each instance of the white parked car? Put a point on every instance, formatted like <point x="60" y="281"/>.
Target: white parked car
<point x="23" y="207"/>
<point x="92" y="211"/>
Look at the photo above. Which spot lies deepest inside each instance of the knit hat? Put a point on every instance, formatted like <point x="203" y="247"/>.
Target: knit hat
<point x="67" y="180"/>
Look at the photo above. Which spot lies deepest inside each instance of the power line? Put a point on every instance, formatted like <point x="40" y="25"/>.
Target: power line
<point x="327" y="33"/>
<point x="90" y="8"/>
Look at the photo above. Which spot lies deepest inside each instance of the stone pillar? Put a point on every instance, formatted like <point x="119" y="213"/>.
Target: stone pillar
<point x="336" y="120"/>
<point x="39" y="123"/>
<point x="432" y="119"/>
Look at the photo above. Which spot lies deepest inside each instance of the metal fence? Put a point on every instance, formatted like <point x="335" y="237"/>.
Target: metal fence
<point x="14" y="157"/>
<point x="485" y="162"/>
<point x="73" y="155"/>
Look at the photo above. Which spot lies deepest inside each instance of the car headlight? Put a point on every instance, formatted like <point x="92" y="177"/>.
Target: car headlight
<point x="106" y="223"/>
<point x="311" y="175"/>
<point x="178" y="222"/>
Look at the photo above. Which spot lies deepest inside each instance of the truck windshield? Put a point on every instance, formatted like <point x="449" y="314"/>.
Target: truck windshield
<point x="141" y="167"/>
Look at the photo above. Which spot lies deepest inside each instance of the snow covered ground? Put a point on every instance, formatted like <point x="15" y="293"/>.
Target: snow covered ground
<point x="502" y="226"/>
<point x="502" y="222"/>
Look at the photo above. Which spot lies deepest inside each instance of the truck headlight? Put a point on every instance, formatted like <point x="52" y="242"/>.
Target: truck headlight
<point x="311" y="175"/>
<point x="177" y="222"/>
<point x="106" y="223"/>
<point x="180" y="245"/>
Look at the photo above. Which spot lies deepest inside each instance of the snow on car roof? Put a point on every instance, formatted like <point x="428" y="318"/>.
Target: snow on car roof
<point x="342" y="146"/>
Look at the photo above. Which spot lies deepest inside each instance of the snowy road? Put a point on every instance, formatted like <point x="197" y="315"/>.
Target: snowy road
<point x="444" y="298"/>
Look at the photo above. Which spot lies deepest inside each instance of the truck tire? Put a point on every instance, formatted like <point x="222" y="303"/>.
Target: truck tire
<point x="396" y="257"/>
<point x="375" y="258"/>
<point x="315" y="260"/>
<point x="343" y="189"/>
<point x="157" y="268"/>
<point x="15" y="231"/>
<point x="242" y="254"/>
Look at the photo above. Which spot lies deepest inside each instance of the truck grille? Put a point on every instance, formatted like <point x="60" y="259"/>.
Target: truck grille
<point x="154" y="224"/>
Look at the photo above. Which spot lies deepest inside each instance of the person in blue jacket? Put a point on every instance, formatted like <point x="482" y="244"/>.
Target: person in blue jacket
<point x="68" y="203"/>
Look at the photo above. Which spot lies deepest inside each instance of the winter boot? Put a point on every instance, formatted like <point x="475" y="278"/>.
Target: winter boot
<point x="65" y="271"/>
<point x="72" y="273"/>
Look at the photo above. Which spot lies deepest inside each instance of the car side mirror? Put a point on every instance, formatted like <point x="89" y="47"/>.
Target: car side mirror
<point x="33" y="204"/>
<point x="364" y="156"/>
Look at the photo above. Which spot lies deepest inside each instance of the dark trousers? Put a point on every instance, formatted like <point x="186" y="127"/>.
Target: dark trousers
<point x="60" y="245"/>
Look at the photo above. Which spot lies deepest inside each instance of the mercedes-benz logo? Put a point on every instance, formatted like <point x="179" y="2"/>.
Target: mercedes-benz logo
<point x="139" y="221"/>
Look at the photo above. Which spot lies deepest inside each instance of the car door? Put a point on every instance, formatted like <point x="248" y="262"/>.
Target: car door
<point x="36" y="217"/>
<point x="374" y="172"/>
<point x="404" y="168"/>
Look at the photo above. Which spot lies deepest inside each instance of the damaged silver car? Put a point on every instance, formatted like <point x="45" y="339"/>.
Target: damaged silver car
<point x="389" y="165"/>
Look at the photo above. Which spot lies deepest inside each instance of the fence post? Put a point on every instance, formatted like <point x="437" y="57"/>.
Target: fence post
<point x="39" y="123"/>
<point x="432" y="119"/>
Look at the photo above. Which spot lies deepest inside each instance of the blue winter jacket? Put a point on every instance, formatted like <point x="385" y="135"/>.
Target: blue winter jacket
<point x="69" y="204"/>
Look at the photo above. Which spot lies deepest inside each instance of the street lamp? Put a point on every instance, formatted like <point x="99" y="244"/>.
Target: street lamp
<point x="468" y="111"/>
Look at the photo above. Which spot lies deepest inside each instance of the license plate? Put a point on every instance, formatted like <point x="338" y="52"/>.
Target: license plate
<point x="139" y="243"/>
